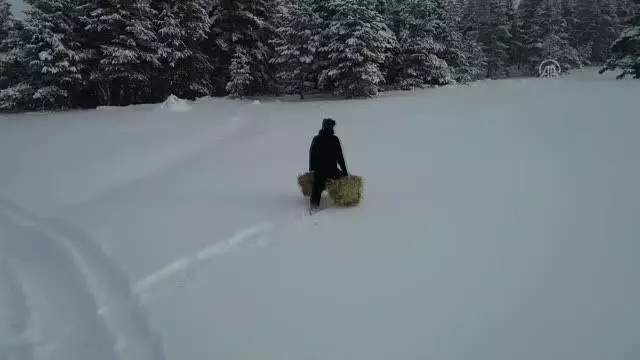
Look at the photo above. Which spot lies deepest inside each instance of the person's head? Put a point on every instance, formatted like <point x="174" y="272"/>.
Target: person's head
<point x="328" y="124"/>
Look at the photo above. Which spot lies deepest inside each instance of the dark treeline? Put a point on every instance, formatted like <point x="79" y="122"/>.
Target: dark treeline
<point x="82" y="54"/>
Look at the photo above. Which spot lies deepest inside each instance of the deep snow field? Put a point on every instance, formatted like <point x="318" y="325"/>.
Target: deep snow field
<point x="501" y="221"/>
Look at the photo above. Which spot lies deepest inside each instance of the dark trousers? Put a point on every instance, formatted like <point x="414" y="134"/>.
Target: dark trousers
<point x="319" y="182"/>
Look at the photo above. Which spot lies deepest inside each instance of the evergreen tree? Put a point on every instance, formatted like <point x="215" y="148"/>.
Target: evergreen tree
<point x="243" y="29"/>
<point x="325" y="11"/>
<point x="296" y="48"/>
<point x="625" y="51"/>
<point x="461" y="52"/>
<point x="554" y="43"/>
<point x="546" y="34"/>
<point x="6" y="20"/>
<point x="182" y="27"/>
<point x="569" y="14"/>
<point x="517" y="47"/>
<point x="625" y="12"/>
<point x="50" y="76"/>
<point x="357" y="43"/>
<point x="586" y="30"/>
<point x="529" y="33"/>
<point x="470" y="27"/>
<point x="8" y="39"/>
<point x="420" y="29"/>
<point x="241" y="78"/>
<point x="465" y="58"/>
<point x="14" y="92"/>
<point x="470" y="11"/>
<point x="496" y="38"/>
<point x="606" y="31"/>
<point x="122" y="51"/>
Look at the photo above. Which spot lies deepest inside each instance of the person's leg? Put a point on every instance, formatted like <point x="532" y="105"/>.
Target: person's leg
<point x="319" y="180"/>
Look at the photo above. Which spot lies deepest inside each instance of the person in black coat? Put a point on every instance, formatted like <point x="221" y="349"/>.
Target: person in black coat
<point x="324" y="156"/>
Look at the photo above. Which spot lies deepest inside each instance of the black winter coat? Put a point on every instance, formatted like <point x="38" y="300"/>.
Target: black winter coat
<point x="325" y="153"/>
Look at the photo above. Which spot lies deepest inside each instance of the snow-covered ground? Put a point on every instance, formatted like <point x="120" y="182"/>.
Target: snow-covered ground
<point x="500" y="222"/>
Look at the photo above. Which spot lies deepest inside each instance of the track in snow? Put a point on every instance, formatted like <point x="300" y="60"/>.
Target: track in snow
<point x="185" y="268"/>
<point x="14" y="315"/>
<point x="79" y="303"/>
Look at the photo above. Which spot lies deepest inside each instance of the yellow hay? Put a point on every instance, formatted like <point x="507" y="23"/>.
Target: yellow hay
<point x="346" y="191"/>
<point x="305" y="181"/>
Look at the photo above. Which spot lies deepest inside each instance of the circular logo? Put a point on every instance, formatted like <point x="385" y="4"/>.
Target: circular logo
<point x="549" y="68"/>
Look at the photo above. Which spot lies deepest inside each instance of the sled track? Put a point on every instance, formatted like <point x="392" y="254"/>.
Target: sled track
<point x="207" y="254"/>
<point x="79" y="302"/>
<point x="14" y="317"/>
<point x="255" y="236"/>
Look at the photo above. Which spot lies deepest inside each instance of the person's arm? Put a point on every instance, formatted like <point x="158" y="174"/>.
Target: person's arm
<point x="341" y="162"/>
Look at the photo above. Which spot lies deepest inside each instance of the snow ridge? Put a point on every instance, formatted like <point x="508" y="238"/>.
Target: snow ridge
<point x="105" y="319"/>
<point x="14" y="318"/>
<point x="184" y="264"/>
<point x="255" y="236"/>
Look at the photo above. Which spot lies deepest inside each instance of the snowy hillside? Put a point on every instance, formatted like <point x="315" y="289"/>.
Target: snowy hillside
<point x="500" y="221"/>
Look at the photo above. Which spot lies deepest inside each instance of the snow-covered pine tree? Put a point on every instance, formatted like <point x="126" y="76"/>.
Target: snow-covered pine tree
<point x="243" y="29"/>
<point x="529" y="33"/>
<point x="461" y="52"/>
<point x="554" y="43"/>
<point x="122" y="51"/>
<point x="591" y="27"/>
<point x="182" y="26"/>
<point x="51" y="78"/>
<point x="517" y="49"/>
<point x="7" y="26"/>
<point x="324" y="13"/>
<point x="474" y="66"/>
<point x="296" y="48"/>
<point x="469" y="18"/>
<point x="569" y="14"/>
<point x="324" y="10"/>
<point x="415" y="57"/>
<point x="88" y="53"/>
<point x="625" y="51"/>
<point x="496" y="38"/>
<point x="240" y="77"/>
<point x="6" y="20"/>
<point x="469" y="27"/>
<point x="172" y="48"/>
<point x="606" y="31"/>
<point x="357" y="43"/>
<point x="586" y="28"/>
<point x="625" y="11"/>
<point x="455" y="11"/>
<point x="14" y="92"/>
<point x="382" y="7"/>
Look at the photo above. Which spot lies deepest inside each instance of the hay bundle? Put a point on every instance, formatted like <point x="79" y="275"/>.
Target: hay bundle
<point x="346" y="191"/>
<point x="305" y="181"/>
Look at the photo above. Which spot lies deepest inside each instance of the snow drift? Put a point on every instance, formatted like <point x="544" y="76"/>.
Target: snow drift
<point x="175" y="104"/>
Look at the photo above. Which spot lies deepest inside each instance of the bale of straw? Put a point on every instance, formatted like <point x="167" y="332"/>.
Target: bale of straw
<point x="346" y="191"/>
<point x="305" y="181"/>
